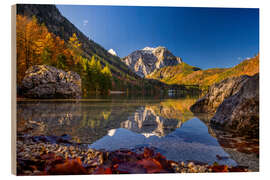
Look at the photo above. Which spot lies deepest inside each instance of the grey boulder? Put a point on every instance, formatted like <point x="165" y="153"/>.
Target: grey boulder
<point x="240" y="112"/>
<point x="43" y="81"/>
<point x="217" y="93"/>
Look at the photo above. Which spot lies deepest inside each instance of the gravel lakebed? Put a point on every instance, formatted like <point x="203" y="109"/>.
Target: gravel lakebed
<point x="38" y="156"/>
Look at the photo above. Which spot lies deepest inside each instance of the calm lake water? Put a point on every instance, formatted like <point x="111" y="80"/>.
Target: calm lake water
<point x="166" y="125"/>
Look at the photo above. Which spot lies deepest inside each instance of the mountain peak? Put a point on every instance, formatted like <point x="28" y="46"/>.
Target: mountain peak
<point x="148" y="48"/>
<point x="148" y="59"/>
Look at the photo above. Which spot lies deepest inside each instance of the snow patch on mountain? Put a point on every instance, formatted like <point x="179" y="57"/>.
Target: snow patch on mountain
<point x="111" y="51"/>
<point x="148" y="59"/>
<point x="148" y="49"/>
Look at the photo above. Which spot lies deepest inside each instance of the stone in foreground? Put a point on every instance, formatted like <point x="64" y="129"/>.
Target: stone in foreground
<point x="240" y="112"/>
<point x="46" y="82"/>
<point x="217" y="93"/>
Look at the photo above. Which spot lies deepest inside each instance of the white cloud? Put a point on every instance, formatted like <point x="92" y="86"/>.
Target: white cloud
<point x="85" y="22"/>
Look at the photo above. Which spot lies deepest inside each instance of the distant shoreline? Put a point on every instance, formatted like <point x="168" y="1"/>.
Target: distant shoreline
<point x="117" y="92"/>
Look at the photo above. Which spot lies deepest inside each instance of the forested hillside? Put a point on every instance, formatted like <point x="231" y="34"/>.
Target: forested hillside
<point x="189" y="75"/>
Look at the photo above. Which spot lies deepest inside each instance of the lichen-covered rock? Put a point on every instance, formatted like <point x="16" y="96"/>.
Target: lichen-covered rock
<point x="43" y="81"/>
<point x="240" y="112"/>
<point x="217" y="93"/>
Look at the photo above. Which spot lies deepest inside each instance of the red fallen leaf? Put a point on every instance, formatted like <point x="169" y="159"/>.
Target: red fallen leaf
<point x="73" y="166"/>
<point x="58" y="159"/>
<point x="33" y="167"/>
<point x="160" y="156"/>
<point x="157" y="163"/>
<point x="151" y="166"/>
<point x="115" y="166"/>
<point x="220" y="168"/>
<point x="148" y="153"/>
<point x="103" y="170"/>
<point x="108" y="171"/>
<point x="163" y="162"/>
<point x="51" y="160"/>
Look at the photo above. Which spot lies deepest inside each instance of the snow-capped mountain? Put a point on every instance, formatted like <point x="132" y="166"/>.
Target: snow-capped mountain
<point x="148" y="59"/>
<point x="111" y="51"/>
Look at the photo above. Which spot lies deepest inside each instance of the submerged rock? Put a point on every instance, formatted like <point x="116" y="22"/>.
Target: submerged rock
<point x="242" y="149"/>
<point x="240" y="112"/>
<point x="217" y="93"/>
<point x="43" y="81"/>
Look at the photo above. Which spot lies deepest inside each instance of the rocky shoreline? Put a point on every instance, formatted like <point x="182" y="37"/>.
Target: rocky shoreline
<point x="37" y="156"/>
<point x="234" y="103"/>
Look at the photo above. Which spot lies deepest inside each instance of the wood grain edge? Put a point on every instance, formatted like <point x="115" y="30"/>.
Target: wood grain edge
<point x="13" y="90"/>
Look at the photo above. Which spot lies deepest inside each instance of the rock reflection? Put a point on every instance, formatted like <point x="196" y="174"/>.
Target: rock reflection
<point x="244" y="150"/>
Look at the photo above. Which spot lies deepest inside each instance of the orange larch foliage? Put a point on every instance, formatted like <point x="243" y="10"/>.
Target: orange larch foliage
<point x="36" y="45"/>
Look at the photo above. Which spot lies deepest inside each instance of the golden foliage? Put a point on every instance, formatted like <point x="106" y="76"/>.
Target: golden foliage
<point x="36" y="45"/>
<point x="184" y="74"/>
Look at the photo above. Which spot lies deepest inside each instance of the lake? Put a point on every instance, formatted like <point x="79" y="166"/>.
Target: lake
<point x="165" y="125"/>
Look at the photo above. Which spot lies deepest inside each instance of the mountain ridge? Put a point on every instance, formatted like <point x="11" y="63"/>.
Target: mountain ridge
<point x="185" y="76"/>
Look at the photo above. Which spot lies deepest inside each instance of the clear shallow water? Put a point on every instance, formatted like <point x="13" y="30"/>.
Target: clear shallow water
<point x="188" y="143"/>
<point x="165" y="125"/>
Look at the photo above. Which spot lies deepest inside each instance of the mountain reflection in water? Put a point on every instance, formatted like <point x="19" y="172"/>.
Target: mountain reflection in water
<point x="166" y="125"/>
<point x="88" y="121"/>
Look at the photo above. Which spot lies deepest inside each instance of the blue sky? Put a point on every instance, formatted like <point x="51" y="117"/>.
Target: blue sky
<point x="203" y="37"/>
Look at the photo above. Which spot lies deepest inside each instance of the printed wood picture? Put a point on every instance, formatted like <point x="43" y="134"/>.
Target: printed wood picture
<point x="134" y="90"/>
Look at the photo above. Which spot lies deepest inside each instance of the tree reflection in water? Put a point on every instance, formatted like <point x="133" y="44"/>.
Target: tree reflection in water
<point x="147" y="122"/>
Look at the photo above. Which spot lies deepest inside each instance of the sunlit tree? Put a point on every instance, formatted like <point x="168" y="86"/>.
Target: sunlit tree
<point x="75" y="45"/>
